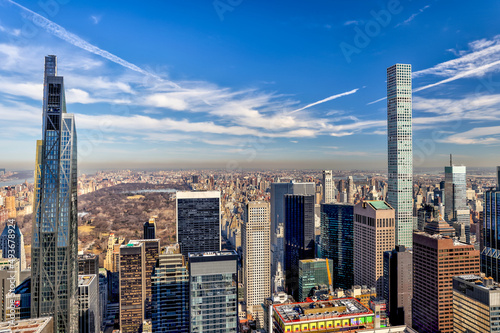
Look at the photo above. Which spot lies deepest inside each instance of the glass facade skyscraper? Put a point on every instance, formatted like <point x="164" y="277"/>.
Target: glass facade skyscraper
<point x="400" y="150"/>
<point x="312" y="273"/>
<point x="198" y="221"/>
<point x="337" y="241"/>
<point x="455" y="197"/>
<point x="54" y="265"/>
<point x="213" y="286"/>
<point x="490" y="256"/>
<point x="299" y="236"/>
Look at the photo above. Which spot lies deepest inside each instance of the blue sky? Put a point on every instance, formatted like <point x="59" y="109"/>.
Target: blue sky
<point x="238" y="83"/>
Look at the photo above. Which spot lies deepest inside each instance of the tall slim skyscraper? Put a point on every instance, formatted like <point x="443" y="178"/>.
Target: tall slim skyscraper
<point x="436" y="260"/>
<point x="328" y="187"/>
<point x="255" y="243"/>
<point x="150" y="229"/>
<point x="213" y="292"/>
<point x="299" y="237"/>
<point x="88" y="303"/>
<point x="198" y="221"/>
<point x="54" y="265"/>
<point x="12" y="243"/>
<point x="455" y="198"/>
<point x="490" y="263"/>
<point x="400" y="150"/>
<point x="337" y="242"/>
<point x="373" y="235"/>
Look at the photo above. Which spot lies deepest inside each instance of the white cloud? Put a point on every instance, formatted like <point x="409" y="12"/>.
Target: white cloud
<point x="479" y="135"/>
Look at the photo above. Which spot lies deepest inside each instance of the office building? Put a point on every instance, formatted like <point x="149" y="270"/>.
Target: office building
<point x="313" y="273"/>
<point x="213" y="306"/>
<point x="12" y="243"/>
<point x="54" y="246"/>
<point x="151" y="253"/>
<point x="170" y="293"/>
<point x="344" y="314"/>
<point x="425" y="213"/>
<point x="398" y="284"/>
<point x="351" y="190"/>
<point x="278" y="191"/>
<point x="455" y="207"/>
<point x="150" y="229"/>
<point x="88" y="304"/>
<point x="112" y="259"/>
<point x="35" y="325"/>
<point x="88" y="264"/>
<point x="132" y="287"/>
<point x="476" y="304"/>
<point x="374" y="229"/>
<point x="9" y="279"/>
<point x="436" y="260"/>
<point x="490" y="262"/>
<point x="198" y="221"/>
<point x="400" y="150"/>
<point x="21" y="299"/>
<point x="378" y="305"/>
<point x="337" y="242"/>
<point x="299" y="237"/>
<point x="10" y="206"/>
<point x="256" y="256"/>
<point x="328" y="187"/>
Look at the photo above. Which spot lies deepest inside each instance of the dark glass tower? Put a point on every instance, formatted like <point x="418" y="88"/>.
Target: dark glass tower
<point x="337" y="242"/>
<point x="198" y="221"/>
<point x="12" y="243"/>
<point x="150" y="229"/>
<point x="54" y="264"/>
<point x="490" y="255"/>
<point x="299" y="237"/>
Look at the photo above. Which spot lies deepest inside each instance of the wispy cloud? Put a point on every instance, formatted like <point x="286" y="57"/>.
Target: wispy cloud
<point x="476" y="136"/>
<point x="350" y="92"/>
<point x="351" y="22"/>
<point x="95" y="19"/>
<point x="412" y="17"/>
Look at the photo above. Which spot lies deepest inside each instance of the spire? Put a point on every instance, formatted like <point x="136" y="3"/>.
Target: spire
<point x="451" y="160"/>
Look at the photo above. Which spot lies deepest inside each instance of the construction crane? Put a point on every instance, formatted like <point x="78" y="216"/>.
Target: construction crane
<point x="329" y="277"/>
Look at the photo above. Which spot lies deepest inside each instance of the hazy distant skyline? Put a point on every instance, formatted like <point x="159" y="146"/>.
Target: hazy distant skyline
<point x="253" y="84"/>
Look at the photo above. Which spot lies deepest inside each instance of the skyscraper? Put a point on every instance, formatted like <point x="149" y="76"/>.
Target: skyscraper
<point x="170" y="293"/>
<point x="312" y="273"/>
<point x="351" y="189"/>
<point x="88" y="304"/>
<point x="328" y="187"/>
<point x="490" y="262"/>
<point x="198" y="221"/>
<point x="15" y="246"/>
<point x="150" y="229"/>
<point x="436" y="260"/>
<point x="54" y="266"/>
<point x="337" y="242"/>
<point x="455" y="198"/>
<point x="213" y="293"/>
<point x="299" y="236"/>
<point x="373" y="235"/>
<point x="256" y="254"/>
<point x="88" y="264"/>
<point x="398" y="284"/>
<point x="132" y="287"/>
<point x="400" y="150"/>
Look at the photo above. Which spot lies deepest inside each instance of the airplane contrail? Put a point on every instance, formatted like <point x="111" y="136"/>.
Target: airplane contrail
<point x="325" y="100"/>
<point x="60" y="32"/>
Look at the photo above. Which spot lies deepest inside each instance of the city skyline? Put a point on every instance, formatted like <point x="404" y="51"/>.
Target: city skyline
<point x="308" y="84"/>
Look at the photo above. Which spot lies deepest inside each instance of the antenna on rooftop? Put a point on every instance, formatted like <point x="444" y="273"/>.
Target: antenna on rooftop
<point x="451" y="160"/>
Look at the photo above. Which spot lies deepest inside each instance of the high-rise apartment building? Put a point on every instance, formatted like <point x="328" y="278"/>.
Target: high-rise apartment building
<point x="256" y="255"/>
<point x="88" y="304"/>
<point x="328" y="187"/>
<point x="150" y="229"/>
<point x="398" y="284"/>
<point x="12" y="243"/>
<point x="436" y="260"/>
<point x="299" y="237"/>
<point x="198" y="221"/>
<point x="373" y="235"/>
<point x="337" y="242"/>
<point x="400" y="150"/>
<point x="88" y="264"/>
<point x="351" y="190"/>
<point x="54" y="247"/>
<point x="132" y="287"/>
<point x="476" y="304"/>
<point x="313" y="273"/>
<point x="170" y="293"/>
<point x="213" y="294"/>
<point x="490" y="262"/>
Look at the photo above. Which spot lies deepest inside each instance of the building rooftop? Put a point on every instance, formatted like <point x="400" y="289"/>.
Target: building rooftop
<point x="87" y="256"/>
<point x="28" y="325"/>
<point x="212" y="254"/>
<point x="341" y="308"/>
<point x="379" y="205"/>
<point x="197" y="194"/>
<point x="85" y="280"/>
<point x="479" y="282"/>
